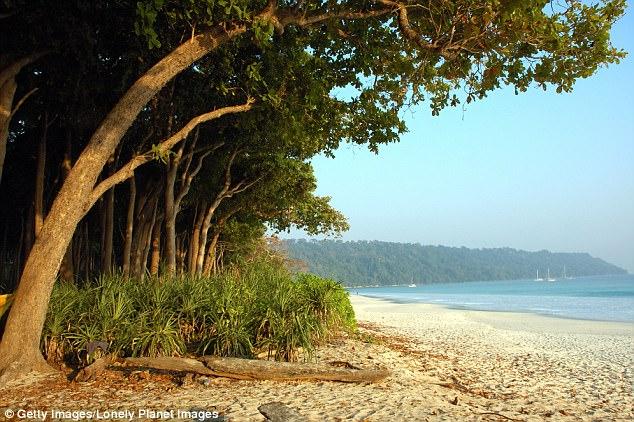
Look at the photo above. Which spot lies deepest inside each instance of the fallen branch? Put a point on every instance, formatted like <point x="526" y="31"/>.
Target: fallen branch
<point x="246" y="369"/>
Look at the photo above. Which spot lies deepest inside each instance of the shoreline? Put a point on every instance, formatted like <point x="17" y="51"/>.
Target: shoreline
<point x="596" y="325"/>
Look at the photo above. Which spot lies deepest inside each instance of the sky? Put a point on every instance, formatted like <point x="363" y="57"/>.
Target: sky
<point x="535" y="171"/>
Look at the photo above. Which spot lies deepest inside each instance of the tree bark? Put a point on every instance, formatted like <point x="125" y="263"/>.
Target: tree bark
<point x="170" y="211"/>
<point x="143" y="216"/>
<point x="147" y="241"/>
<point x="195" y="238"/>
<point x="155" y="260"/>
<point x="129" y="228"/>
<point x="67" y="269"/>
<point x="210" y="261"/>
<point x="108" y="226"/>
<point x="106" y="258"/>
<point x="40" y="175"/>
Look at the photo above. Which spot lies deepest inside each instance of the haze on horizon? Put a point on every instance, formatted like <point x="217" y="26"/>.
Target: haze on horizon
<point x="534" y="171"/>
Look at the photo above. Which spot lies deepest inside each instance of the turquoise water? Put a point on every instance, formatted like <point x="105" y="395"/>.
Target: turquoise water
<point x="605" y="298"/>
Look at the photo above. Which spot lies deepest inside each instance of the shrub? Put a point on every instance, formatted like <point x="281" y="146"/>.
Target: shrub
<point x="252" y="307"/>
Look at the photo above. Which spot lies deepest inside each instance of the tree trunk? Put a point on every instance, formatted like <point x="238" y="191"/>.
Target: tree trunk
<point x="129" y="228"/>
<point x="19" y="349"/>
<point x="142" y="219"/>
<point x="106" y="248"/>
<point x="210" y="261"/>
<point x="147" y="240"/>
<point x="67" y="269"/>
<point x="155" y="261"/>
<point x="28" y="234"/>
<point x="181" y="254"/>
<point x="140" y="222"/>
<point x="7" y="92"/>
<point x="40" y="175"/>
<point x="195" y="240"/>
<point x="170" y="214"/>
<point x="204" y="231"/>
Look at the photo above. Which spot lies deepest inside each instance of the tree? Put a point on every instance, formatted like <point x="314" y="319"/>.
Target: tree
<point x="391" y="53"/>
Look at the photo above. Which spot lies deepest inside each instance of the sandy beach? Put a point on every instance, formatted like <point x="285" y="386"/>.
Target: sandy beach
<point x="446" y="365"/>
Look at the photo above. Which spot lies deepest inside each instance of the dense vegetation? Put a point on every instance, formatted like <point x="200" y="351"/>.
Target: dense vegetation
<point x="384" y="263"/>
<point x="256" y="307"/>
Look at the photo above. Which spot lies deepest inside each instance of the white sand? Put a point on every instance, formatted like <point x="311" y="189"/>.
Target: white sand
<point x="498" y="366"/>
<point x="540" y="364"/>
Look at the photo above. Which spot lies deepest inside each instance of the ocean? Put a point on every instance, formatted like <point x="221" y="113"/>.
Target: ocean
<point x="600" y="298"/>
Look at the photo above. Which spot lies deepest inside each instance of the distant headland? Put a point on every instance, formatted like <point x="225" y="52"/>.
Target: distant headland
<point x="366" y="263"/>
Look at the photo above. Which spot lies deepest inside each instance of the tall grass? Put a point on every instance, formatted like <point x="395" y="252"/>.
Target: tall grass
<point x="257" y="307"/>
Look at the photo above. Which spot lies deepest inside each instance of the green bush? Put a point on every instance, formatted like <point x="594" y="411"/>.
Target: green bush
<point x="257" y="306"/>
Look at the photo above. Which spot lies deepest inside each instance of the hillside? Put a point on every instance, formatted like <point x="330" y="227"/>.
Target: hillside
<point x="383" y="263"/>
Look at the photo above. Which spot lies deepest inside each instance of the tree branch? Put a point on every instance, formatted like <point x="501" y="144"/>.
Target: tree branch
<point x="128" y="169"/>
<point x="22" y="100"/>
<point x="189" y="177"/>
<point x="242" y="186"/>
<point x="14" y="68"/>
<point x="406" y="28"/>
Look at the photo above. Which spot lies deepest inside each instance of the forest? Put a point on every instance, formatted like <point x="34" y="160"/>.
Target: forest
<point x="384" y="263"/>
<point x="160" y="139"/>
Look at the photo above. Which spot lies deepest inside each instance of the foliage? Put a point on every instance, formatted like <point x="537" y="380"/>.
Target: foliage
<point x="257" y="306"/>
<point x="384" y="263"/>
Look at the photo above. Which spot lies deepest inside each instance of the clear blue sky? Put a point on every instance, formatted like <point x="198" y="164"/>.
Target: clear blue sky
<point x="534" y="171"/>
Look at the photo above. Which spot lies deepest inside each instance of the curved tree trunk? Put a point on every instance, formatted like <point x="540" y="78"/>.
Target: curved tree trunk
<point x="19" y="349"/>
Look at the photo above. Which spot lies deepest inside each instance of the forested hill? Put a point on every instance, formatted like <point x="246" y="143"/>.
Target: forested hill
<point x="383" y="263"/>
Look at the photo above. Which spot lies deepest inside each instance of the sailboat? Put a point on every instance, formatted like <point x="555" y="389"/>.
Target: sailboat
<point x="537" y="278"/>
<point x="565" y="276"/>
<point x="549" y="278"/>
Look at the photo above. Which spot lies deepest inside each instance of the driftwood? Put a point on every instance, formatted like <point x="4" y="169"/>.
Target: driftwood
<point x="279" y="412"/>
<point x="246" y="369"/>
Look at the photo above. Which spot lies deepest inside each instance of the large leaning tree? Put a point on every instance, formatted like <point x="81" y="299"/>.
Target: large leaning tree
<point x="386" y="54"/>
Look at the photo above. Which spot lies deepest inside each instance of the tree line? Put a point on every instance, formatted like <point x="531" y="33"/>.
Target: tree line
<point x="374" y="263"/>
<point x="162" y="137"/>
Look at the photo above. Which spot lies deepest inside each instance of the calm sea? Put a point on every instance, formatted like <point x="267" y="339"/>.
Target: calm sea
<point x="605" y="298"/>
